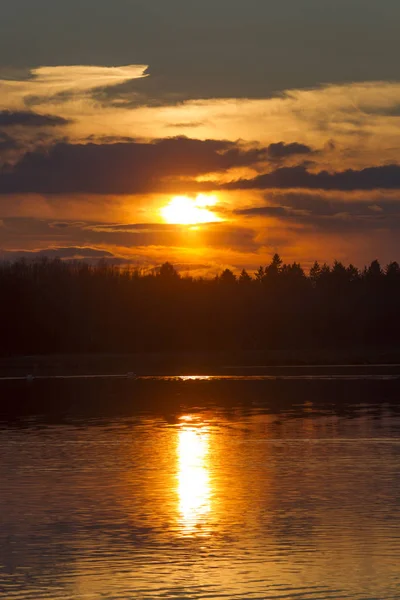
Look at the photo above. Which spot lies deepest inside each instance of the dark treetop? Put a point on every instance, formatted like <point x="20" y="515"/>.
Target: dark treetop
<point x="50" y="306"/>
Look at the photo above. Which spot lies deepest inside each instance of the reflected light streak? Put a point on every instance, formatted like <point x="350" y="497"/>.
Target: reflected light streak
<point x="194" y="489"/>
<point x="193" y="378"/>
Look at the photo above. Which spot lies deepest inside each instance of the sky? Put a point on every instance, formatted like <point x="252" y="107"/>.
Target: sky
<point x="211" y="134"/>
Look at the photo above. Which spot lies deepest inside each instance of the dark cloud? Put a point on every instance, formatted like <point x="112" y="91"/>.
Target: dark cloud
<point x="382" y="111"/>
<point x="281" y="150"/>
<point x="122" y="168"/>
<point x="347" y="223"/>
<point x="329" y="215"/>
<point x="29" y="119"/>
<point x="7" y="142"/>
<point x="60" y="225"/>
<point x="17" y="231"/>
<point x="64" y="225"/>
<point x="331" y="206"/>
<point x="262" y="211"/>
<point x="62" y="253"/>
<point x="383" y="177"/>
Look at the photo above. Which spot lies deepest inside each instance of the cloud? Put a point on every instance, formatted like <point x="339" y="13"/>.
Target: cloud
<point x="350" y="115"/>
<point x="7" y="142"/>
<point x="338" y="203"/>
<point x="212" y="235"/>
<point x="111" y="101"/>
<point x="381" y="177"/>
<point x="111" y="147"/>
<point x="10" y="118"/>
<point x="66" y="224"/>
<point x="85" y="77"/>
<point x="185" y="125"/>
<point x="62" y="253"/>
<point x="32" y="233"/>
<point x="330" y="214"/>
<point x="302" y="237"/>
<point x="262" y="211"/>
<point x="122" y="168"/>
<point x="44" y="82"/>
<point x="172" y="165"/>
<point x="252" y="52"/>
<point x="281" y="150"/>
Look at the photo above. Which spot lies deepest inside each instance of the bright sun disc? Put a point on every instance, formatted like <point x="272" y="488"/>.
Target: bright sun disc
<point x="183" y="210"/>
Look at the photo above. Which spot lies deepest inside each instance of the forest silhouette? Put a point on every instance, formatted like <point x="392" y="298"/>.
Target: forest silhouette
<point x="51" y="306"/>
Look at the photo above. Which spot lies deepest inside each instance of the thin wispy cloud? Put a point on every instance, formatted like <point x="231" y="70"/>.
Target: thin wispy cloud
<point x="54" y="84"/>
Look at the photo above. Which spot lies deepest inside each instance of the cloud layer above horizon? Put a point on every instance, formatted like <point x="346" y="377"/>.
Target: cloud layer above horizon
<point x="301" y="164"/>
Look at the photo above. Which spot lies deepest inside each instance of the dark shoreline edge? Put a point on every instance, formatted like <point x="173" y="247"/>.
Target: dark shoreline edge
<point x="271" y="362"/>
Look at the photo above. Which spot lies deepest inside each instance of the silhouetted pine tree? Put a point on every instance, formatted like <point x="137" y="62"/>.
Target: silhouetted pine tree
<point x="50" y="306"/>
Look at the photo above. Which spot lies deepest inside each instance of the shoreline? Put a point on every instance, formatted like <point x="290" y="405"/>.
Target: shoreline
<point x="272" y="363"/>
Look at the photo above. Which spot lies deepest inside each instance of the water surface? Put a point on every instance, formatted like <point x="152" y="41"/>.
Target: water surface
<point x="245" y="489"/>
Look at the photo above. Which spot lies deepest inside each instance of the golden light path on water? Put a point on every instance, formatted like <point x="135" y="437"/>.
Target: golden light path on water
<point x="194" y="487"/>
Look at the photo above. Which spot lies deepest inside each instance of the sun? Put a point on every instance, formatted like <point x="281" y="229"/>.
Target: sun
<point x="183" y="210"/>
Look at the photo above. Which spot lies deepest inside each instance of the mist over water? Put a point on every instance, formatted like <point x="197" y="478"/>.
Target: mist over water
<point x="245" y="489"/>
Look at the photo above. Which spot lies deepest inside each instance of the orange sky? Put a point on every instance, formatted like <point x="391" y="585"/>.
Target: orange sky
<point x="207" y="184"/>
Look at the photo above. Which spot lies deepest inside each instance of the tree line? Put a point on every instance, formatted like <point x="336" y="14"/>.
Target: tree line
<point x="51" y="306"/>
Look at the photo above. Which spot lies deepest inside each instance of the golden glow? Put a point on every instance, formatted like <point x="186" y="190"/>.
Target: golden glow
<point x="194" y="490"/>
<point x="183" y="210"/>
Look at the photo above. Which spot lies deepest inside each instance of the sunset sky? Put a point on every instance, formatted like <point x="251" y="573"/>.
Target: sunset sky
<point x="211" y="134"/>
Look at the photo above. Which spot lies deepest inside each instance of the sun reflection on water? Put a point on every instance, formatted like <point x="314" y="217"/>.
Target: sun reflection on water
<point x="194" y="488"/>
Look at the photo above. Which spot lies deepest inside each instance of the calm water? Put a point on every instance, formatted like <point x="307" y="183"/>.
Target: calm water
<point x="211" y="489"/>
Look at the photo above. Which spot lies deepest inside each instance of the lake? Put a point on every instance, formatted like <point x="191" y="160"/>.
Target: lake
<point x="244" y="488"/>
